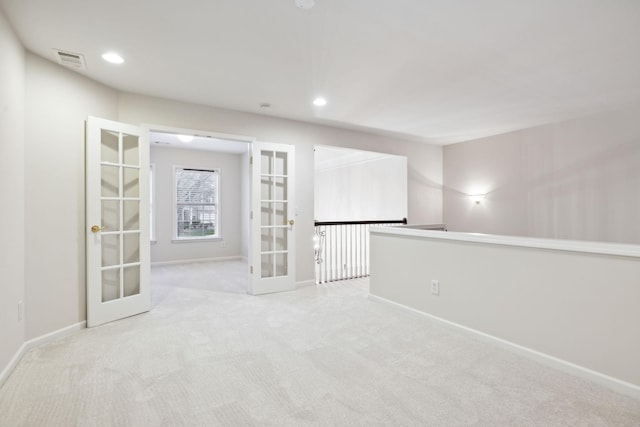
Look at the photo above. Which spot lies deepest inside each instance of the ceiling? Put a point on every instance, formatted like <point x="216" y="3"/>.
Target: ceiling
<point x="437" y="71"/>
<point x="328" y="157"/>
<point x="197" y="142"/>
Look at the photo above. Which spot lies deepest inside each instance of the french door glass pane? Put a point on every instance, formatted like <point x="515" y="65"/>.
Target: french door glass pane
<point x="120" y="218"/>
<point x="267" y="265"/>
<point x="109" y="147"/>
<point x="266" y="213"/>
<point x="266" y="162"/>
<point x="267" y="239"/>
<point x="111" y="215"/>
<point x="266" y="188"/>
<point x="131" y="280"/>
<point x="281" y="239"/>
<point x="131" y="248"/>
<point x="131" y="215"/>
<point x="110" y="180"/>
<point x="281" y="264"/>
<point x="131" y="182"/>
<point x="280" y="214"/>
<point x="280" y="163"/>
<point x="110" y="249"/>
<point x="130" y="148"/>
<point x="280" y="189"/>
<point x="110" y="284"/>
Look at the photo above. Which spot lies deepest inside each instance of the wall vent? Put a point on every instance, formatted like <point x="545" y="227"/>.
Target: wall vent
<point x="70" y="59"/>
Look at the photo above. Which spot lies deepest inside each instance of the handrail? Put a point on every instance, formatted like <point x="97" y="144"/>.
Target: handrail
<point x="342" y="248"/>
<point x="368" y="222"/>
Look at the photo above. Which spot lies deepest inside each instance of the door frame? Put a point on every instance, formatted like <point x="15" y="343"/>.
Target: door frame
<point x="147" y="128"/>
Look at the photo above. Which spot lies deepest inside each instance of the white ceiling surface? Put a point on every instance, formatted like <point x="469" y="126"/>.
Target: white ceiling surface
<point x="438" y="71"/>
<point x="327" y="158"/>
<point x="169" y="140"/>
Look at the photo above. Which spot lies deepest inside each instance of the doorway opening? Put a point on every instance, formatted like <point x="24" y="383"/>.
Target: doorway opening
<point x="199" y="210"/>
<point x="354" y="190"/>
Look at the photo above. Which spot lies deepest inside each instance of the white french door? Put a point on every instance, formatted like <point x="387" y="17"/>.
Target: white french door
<point x="272" y="246"/>
<point x="117" y="221"/>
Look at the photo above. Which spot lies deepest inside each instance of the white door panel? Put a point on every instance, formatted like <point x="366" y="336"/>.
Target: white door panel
<point x="272" y="252"/>
<point x="117" y="221"/>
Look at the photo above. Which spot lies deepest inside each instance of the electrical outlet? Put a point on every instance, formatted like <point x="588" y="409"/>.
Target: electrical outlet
<point x="435" y="287"/>
<point x="20" y="310"/>
<point x="223" y="244"/>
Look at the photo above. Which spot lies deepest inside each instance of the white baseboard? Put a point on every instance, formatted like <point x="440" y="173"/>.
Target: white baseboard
<point x="38" y="341"/>
<point x="12" y="364"/>
<point x="191" y="261"/>
<point x="612" y="383"/>
<point x="305" y="283"/>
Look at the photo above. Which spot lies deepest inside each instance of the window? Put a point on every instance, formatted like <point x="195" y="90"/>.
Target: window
<point x="196" y="207"/>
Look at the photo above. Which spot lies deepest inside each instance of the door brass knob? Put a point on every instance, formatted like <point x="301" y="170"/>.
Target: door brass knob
<point x="291" y="222"/>
<point x="97" y="228"/>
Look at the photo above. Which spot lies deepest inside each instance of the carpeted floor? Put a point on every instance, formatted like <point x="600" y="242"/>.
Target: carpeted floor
<point x="318" y="356"/>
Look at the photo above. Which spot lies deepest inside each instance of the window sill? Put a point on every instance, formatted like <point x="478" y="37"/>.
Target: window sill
<point x="200" y="240"/>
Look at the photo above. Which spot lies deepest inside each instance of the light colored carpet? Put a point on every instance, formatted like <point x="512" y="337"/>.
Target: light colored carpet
<point x="318" y="356"/>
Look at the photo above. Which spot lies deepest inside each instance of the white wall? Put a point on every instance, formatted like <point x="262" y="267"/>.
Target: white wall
<point x="12" y="223"/>
<point x="229" y="211"/>
<point x="573" y="180"/>
<point x="373" y="187"/>
<point x="578" y="307"/>
<point x="425" y="161"/>
<point x="58" y="102"/>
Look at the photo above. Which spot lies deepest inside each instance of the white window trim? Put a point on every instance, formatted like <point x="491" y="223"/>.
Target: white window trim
<point x="213" y="238"/>
<point x="153" y="202"/>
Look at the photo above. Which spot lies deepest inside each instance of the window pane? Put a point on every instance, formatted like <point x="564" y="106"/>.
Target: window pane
<point x="196" y="203"/>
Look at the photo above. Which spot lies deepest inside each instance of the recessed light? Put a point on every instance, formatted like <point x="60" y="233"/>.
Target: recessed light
<point x="113" y="57"/>
<point x="319" y="102"/>
<point x="305" y="4"/>
<point x="185" y="138"/>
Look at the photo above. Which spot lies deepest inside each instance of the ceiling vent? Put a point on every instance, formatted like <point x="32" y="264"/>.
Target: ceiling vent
<point x="70" y="59"/>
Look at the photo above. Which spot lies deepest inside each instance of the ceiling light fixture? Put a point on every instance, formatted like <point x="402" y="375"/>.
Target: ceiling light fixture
<point x="305" y="4"/>
<point x="113" y="57"/>
<point x="185" y="138"/>
<point x="319" y="102"/>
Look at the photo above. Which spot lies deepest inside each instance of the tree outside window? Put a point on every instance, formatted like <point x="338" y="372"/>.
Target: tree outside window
<point x="196" y="193"/>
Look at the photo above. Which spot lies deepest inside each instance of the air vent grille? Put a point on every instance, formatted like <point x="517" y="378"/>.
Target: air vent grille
<point x="70" y="59"/>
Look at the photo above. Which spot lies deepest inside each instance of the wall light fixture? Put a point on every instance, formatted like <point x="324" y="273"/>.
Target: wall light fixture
<point x="477" y="197"/>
